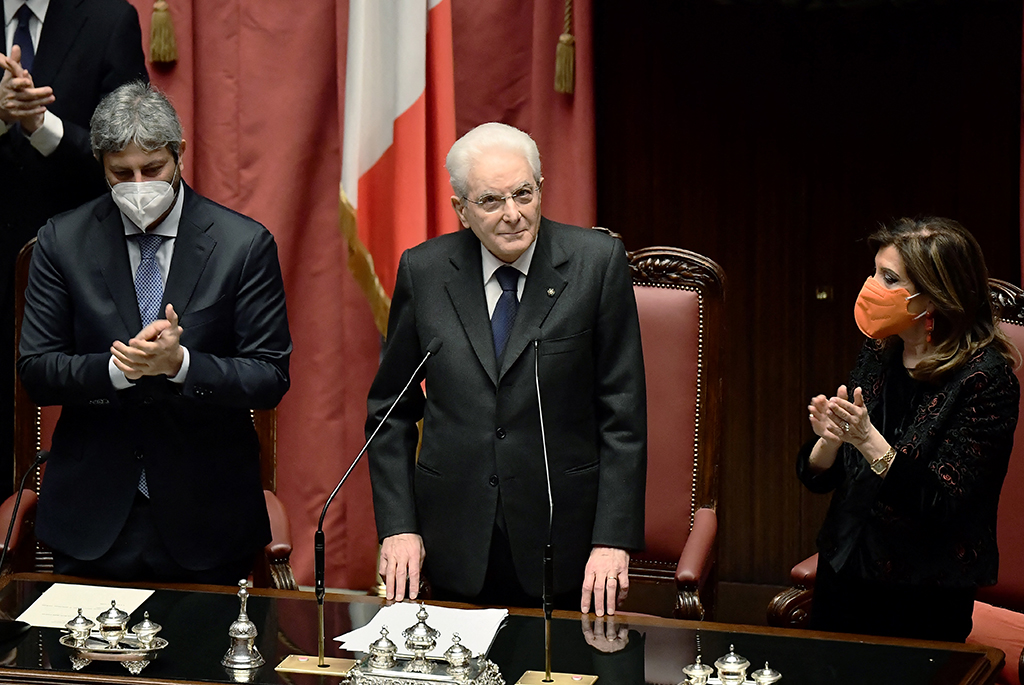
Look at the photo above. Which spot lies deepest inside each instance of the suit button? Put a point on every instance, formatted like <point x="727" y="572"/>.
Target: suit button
<point x="493" y="481"/>
<point x="148" y="400"/>
<point x="500" y="433"/>
<point x="138" y="454"/>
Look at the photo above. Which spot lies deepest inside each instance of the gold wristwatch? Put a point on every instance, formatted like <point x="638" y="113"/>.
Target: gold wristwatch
<point x="880" y="466"/>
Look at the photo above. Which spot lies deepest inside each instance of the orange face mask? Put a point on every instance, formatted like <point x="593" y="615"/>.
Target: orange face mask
<point x="881" y="312"/>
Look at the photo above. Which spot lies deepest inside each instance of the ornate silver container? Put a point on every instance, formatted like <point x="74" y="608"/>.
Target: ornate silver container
<point x="697" y="673"/>
<point x="112" y="623"/>
<point x="145" y="630"/>
<point x="80" y="628"/>
<point x="732" y="668"/>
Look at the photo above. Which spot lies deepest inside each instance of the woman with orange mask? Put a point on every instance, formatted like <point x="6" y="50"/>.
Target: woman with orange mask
<point x="915" y="447"/>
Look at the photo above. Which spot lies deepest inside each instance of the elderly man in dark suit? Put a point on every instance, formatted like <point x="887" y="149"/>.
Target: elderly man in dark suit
<point x="59" y="58"/>
<point x="513" y="291"/>
<point x="156" y="318"/>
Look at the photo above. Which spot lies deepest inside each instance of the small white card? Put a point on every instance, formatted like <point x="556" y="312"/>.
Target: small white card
<point x="61" y="602"/>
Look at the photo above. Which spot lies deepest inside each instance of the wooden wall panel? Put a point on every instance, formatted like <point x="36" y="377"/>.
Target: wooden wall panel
<point x="773" y="139"/>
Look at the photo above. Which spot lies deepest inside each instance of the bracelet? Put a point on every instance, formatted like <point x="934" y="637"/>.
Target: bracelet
<point x="880" y="466"/>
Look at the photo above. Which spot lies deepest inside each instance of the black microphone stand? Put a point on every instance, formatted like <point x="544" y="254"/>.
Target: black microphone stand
<point x="10" y="629"/>
<point x="548" y="600"/>
<point x="327" y="665"/>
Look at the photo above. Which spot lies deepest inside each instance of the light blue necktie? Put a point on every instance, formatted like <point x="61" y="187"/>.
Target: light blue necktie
<point x="504" y="316"/>
<point x="149" y="283"/>
<point x="149" y="289"/>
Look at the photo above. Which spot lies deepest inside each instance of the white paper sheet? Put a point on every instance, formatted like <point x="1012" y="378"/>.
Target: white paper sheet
<point x="61" y="602"/>
<point x="476" y="628"/>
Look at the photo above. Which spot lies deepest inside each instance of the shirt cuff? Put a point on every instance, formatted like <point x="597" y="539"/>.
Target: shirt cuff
<point x="117" y="377"/>
<point x="4" y="128"/>
<point x="47" y="137"/>
<point x="121" y="382"/>
<point x="179" y="377"/>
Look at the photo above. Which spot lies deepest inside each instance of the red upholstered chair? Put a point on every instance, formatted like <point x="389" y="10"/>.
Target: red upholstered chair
<point x="31" y="424"/>
<point x="999" y="610"/>
<point x="679" y="297"/>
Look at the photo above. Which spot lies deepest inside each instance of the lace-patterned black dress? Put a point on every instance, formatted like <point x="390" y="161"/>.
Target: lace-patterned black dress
<point x="904" y="555"/>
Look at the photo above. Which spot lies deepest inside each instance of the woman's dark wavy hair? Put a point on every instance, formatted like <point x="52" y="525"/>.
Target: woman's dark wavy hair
<point x="944" y="261"/>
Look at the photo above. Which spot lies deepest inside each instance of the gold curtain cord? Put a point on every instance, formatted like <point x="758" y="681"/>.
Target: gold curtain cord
<point x="162" y="47"/>
<point x="565" y="55"/>
<point x="360" y="264"/>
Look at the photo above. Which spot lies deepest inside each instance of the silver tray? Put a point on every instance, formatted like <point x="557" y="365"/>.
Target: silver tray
<point x="129" y="652"/>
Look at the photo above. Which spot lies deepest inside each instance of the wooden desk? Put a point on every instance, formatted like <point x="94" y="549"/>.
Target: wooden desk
<point x="196" y="620"/>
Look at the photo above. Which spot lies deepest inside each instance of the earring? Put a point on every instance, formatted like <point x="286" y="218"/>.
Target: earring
<point x="929" y="325"/>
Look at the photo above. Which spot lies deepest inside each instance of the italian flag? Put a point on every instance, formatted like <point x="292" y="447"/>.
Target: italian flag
<point x="399" y="124"/>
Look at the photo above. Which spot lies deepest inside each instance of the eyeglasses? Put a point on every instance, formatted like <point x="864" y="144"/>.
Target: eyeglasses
<point x="492" y="203"/>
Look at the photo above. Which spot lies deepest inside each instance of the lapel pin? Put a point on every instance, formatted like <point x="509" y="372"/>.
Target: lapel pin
<point x="551" y="292"/>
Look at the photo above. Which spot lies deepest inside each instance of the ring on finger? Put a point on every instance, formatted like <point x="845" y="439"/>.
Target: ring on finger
<point x="846" y="426"/>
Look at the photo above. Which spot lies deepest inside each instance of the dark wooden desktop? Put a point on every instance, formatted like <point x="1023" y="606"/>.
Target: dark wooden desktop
<point x="196" y="621"/>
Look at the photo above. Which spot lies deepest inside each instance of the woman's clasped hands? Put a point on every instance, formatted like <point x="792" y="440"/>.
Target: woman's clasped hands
<point x="836" y="419"/>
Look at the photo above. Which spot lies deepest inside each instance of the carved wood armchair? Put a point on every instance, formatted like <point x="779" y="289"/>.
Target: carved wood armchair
<point x="679" y="298"/>
<point x="32" y="423"/>
<point x="998" y="617"/>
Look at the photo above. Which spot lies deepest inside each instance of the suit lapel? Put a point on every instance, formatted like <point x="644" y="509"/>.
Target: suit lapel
<point x="111" y="253"/>
<point x="192" y="250"/>
<point x="466" y="291"/>
<point x="60" y="28"/>
<point x="544" y="285"/>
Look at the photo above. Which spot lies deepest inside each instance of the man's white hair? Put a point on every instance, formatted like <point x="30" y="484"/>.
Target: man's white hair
<point x="469" y="149"/>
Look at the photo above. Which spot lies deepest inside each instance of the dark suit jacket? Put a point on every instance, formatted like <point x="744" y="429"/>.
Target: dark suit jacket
<point x="932" y="520"/>
<point x="481" y="428"/>
<point x="87" y="48"/>
<point x="196" y="440"/>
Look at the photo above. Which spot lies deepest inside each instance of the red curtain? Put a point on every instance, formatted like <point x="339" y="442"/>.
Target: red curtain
<point x="259" y="87"/>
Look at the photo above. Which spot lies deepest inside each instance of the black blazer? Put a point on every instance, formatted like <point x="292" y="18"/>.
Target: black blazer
<point x="196" y="440"/>
<point x="932" y="520"/>
<point x="87" y="48"/>
<point x="481" y="428"/>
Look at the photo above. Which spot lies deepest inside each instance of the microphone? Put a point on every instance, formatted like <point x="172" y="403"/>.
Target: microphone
<point x="41" y="457"/>
<point x="319" y="546"/>
<point x="12" y="631"/>
<point x="549" y="562"/>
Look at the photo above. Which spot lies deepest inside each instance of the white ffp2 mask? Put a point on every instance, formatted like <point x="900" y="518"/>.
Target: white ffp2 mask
<point x="143" y="202"/>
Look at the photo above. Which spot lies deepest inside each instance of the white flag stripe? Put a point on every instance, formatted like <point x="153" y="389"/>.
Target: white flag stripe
<point x="385" y="75"/>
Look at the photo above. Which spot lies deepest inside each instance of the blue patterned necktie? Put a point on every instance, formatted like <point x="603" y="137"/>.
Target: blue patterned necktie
<point x="23" y="38"/>
<point x="149" y="283"/>
<point x="149" y="289"/>
<point x="504" y="316"/>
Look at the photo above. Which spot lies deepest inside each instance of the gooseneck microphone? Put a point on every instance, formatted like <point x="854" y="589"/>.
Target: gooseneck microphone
<point x="549" y="570"/>
<point x="11" y="630"/>
<point x="318" y="537"/>
<point x="41" y="457"/>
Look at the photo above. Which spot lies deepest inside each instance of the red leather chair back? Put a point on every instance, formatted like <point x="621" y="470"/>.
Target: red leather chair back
<point x="679" y="297"/>
<point x="1009" y="591"/>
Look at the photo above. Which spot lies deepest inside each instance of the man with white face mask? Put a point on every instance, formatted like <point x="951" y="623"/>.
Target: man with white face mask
<point x="156" y="318"/>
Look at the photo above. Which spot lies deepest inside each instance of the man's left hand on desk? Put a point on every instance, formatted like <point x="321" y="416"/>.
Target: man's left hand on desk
<point x="606" y="579"/>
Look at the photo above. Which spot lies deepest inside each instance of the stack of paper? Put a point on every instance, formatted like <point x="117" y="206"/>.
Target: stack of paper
<point x="476" y="628"/>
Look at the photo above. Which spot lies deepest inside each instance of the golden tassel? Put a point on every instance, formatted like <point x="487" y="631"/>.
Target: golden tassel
<point x="565" y="55"/>
<point x="162" y="47"/>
